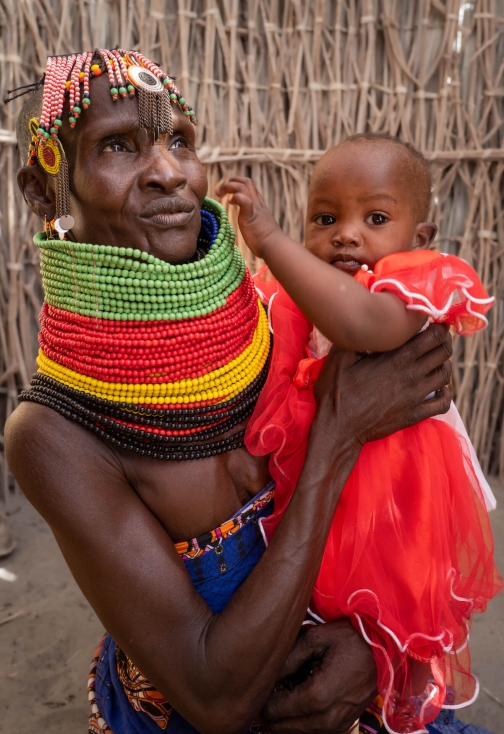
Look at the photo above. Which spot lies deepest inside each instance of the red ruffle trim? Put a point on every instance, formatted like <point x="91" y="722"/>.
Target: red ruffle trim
<point x="409" y="557"/>
<point x="444" y="287"/>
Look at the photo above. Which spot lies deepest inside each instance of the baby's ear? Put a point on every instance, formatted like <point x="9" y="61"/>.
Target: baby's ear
<point x="425" y="233"/>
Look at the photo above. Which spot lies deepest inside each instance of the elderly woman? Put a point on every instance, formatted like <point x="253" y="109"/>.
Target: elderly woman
<point x="130" y="441"/>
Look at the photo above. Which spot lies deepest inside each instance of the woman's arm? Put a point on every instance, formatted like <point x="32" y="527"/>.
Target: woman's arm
<point x="341" y="308"/>
<point x="216" y="669"/>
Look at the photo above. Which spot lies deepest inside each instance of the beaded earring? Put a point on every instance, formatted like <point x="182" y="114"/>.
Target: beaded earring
<point x="52" y="159"/>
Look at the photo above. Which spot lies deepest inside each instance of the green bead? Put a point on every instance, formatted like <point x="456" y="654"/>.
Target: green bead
<point x="71" y="119"/>
<point x="86" y="101"/>
<point x="181" y="100"/>
<point x="58" y="123"/>
<point x="122" y="91"/>
<point x="113" y="91"/>
<point x="108" y="281"/>
<point x="54" y="130"/>
<point x="130" y="88"/>
<point x="77" y="110"/>
<point x="173" y="96"/>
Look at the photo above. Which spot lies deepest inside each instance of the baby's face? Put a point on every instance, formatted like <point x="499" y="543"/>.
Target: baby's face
<point x="360" y="206"/>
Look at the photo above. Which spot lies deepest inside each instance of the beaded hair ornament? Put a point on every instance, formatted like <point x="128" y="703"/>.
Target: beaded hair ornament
<point x="67" y="78"/>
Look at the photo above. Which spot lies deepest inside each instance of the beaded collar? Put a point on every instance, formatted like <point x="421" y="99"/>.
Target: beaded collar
<point x="156" y="358"/>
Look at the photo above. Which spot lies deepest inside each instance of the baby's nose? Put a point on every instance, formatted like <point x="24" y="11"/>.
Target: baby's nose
<point x="347" y="234"/>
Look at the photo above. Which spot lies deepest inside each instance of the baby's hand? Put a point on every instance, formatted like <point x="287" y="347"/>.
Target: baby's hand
<point x="257" y="224"/>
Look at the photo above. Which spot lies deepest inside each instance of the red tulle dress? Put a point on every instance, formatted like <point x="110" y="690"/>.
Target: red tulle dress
<point x="409" y="557"/>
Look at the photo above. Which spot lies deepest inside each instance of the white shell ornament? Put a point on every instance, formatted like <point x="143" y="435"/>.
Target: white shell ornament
<point x="142" y="78"/>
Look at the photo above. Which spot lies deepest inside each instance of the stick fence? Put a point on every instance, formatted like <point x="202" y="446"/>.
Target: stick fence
<point x="275" y="83"/>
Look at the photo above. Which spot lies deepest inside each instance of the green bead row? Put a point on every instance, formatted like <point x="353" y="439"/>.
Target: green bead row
<point x="124" y="254"/>
<point x="127" y="284"/>
<point x="64" y="268"/>
<point x="178" y="307"/>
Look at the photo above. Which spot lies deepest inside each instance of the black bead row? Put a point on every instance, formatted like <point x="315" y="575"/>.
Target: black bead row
<point x="144" y="448"/>
<point x="53" y="394"/>
<point x="171" y="419"/>
<point x="119" y="430"/>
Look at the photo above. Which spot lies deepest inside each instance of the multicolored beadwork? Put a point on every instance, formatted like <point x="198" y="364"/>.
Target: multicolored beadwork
<point x="160" y="359"/>
<point x="66" y="75"/>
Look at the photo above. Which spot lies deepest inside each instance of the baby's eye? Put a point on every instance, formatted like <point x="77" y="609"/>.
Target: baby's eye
<point x="325" y="220"/>
<point x="376" y="218"/>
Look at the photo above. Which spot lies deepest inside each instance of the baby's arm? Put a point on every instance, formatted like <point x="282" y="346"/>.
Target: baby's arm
<point x="341" y="308"/>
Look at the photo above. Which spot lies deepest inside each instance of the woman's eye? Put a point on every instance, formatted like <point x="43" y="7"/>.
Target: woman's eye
<point x="178" y="143"/>
<point x="377" y="219"/>
<point x="114" y="147"/>
<point x="325" y="220"/>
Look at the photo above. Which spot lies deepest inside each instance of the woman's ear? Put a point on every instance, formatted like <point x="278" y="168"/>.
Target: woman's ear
<point x="424" y="235"/>
<point x="37" y="191"/>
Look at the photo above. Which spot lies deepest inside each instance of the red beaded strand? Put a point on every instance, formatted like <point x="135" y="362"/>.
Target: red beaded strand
<point x="154" y="353"/>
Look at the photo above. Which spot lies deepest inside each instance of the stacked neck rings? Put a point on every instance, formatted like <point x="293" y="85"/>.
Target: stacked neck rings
<point x="163" y="360"/>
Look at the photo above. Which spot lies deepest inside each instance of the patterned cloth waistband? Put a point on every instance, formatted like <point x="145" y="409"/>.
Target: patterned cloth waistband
<point x="190" y="549"/>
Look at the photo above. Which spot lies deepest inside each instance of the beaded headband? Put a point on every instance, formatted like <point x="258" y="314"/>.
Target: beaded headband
<point x="68" y="77"/>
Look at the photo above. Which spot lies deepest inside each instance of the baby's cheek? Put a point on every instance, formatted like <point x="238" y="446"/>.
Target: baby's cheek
<point x="319" y="247"/>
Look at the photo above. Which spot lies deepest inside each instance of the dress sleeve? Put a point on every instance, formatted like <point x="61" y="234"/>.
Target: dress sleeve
<point x="444" y="287"/>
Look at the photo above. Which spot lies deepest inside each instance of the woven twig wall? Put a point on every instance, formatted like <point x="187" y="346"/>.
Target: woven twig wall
<point x="274" y="83"/>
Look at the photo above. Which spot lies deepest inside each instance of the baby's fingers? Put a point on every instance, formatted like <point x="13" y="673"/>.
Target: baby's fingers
<point x="239" y="184"/>
<point x="244" y="202"/>
<point x="240" y="195"/>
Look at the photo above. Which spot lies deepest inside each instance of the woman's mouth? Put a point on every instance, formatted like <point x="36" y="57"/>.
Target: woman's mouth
<point x="168" y="212"/>
<point x="168" y="220"/>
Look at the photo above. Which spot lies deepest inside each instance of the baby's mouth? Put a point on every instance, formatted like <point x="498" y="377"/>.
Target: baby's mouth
<point x="347" y="263"/>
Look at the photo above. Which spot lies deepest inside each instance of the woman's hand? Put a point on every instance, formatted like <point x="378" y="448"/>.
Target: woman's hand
<point x="340" y="682"/>
<point x="384" y="393"/>
<point x="257" y="224"/>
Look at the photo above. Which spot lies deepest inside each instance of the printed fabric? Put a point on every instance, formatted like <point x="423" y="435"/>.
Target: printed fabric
<point x="122" y="700"/>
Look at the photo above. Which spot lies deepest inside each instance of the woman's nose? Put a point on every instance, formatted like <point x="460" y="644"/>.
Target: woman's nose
<point x="161" y="169"/>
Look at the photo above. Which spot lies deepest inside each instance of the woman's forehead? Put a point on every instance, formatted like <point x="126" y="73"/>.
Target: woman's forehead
<point x="106" y="116"/>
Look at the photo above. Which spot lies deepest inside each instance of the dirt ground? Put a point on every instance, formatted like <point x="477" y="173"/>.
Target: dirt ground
<point x="48" y="633"/>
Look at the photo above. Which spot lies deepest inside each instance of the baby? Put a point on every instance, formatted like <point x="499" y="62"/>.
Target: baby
<point x="410" y="554"/>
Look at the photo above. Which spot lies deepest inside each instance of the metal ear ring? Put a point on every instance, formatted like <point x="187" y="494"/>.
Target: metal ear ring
<point x="63" y="224"/>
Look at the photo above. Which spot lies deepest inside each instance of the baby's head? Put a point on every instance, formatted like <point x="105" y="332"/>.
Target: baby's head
<point x="368" y="197"/>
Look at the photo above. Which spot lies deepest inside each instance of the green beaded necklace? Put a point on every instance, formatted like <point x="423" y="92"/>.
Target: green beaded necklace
<point x="127" y="284"/>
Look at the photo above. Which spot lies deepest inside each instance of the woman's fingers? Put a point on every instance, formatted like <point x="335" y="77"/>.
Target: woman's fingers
<point x="432" y="347"/>
<point x="436" y="405"/>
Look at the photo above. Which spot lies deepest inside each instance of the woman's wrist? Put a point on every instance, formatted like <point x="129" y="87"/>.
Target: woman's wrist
<point x="331" y="455"/>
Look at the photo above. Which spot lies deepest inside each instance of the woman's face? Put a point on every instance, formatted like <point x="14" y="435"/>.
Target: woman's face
<point x="128" y="192"/>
